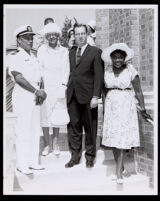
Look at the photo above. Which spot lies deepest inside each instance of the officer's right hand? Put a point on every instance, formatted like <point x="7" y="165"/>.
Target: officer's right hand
<point x="41" y="93"/>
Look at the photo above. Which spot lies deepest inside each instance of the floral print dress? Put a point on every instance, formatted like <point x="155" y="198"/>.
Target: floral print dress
<point x="120" y="126"/>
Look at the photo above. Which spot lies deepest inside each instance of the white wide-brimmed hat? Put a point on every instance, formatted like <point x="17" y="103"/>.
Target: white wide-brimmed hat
<point x="92" y="24"/>
<point x="116" y="46"/>
<point x="69" y="31"/>
<point x="23" y="30"/>
<point x="50" y="28"/>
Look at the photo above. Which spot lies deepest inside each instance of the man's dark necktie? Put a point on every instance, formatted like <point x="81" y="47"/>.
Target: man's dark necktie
<point x="78" y="55"/>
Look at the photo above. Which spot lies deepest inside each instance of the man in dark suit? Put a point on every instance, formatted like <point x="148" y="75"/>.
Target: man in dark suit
<point x="84" y="89"/>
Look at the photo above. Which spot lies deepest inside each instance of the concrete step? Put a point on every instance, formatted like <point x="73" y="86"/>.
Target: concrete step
<point x="56" y="165"/>
<point x="79" y="180"/>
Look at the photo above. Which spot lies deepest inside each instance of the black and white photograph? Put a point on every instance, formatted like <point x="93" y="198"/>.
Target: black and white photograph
<point x="80" y="97"/>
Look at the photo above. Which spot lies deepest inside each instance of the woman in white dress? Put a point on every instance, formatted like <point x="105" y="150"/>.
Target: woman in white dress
<point x="120" y="126"/>
<point x="55" y="65"/>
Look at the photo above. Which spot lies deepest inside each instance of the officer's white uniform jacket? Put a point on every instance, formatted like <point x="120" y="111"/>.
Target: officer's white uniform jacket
<point x="28" y="65"/>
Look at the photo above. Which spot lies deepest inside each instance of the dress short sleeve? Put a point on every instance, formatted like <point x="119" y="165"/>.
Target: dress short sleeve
<point x="133" y="71"/>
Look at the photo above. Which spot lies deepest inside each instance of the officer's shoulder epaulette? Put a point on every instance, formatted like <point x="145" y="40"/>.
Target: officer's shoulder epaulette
<point x="12" y="50"/>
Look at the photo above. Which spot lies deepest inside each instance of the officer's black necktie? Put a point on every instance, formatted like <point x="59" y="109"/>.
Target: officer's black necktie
<point x="78" y="55"/>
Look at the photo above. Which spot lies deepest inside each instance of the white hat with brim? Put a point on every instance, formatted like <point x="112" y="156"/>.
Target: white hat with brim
<point x="50" y="28"/>
<point x="70" y="29"/>
<point x="92" y="24"/>
<point x="23" y="30"/>
<point x="116" y="46"/>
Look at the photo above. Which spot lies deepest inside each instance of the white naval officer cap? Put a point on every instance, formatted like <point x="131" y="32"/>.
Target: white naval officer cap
<point x="23" y="30"/>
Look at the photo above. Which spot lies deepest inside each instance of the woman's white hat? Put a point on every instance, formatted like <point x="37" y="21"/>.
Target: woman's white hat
<point x="50" y="28"/>
<point x="70" y="29"/>
<point x="92" y="24"/>
<point x="23" y="30"/>
<point x="116" y="46"/>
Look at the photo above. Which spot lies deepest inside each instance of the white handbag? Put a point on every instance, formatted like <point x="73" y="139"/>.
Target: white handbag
<point x="61" y="92"/>
<point x="60" y="116"/>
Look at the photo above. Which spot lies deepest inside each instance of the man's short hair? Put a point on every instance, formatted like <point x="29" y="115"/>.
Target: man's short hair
<point x="80" y="25"/>
<point x="48" y="19"/>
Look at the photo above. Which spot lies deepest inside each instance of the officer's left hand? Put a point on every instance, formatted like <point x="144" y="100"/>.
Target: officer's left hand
<point x="94" y="102"/>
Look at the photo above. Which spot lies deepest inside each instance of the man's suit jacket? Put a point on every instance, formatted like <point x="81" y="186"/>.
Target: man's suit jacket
<point x="87" y="77"/>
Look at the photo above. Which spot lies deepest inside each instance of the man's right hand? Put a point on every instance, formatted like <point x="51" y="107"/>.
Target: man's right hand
<point x="41" y="93"/>
<point x="40" y="97"/>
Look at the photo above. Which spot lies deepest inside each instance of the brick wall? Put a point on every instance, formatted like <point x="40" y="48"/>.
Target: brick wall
<point x="134" y="27"/>
<point x="102" y="26"/>
<point x="144" y="155"/>
<point x="102" y="41"/>
<point x="146" y="48"/>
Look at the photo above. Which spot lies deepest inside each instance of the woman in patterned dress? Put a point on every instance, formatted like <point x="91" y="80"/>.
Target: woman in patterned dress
<point x="120" y="126"/>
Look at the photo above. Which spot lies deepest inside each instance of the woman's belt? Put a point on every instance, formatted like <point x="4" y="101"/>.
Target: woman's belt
<point x="119" y="89"/>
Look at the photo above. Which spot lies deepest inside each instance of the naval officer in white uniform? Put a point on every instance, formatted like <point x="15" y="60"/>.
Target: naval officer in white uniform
<point x="25" y="71"/>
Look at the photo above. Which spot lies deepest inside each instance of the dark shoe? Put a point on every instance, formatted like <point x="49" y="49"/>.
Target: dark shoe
<point x="89" y="164"/>
<point x="71" y="163"/>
